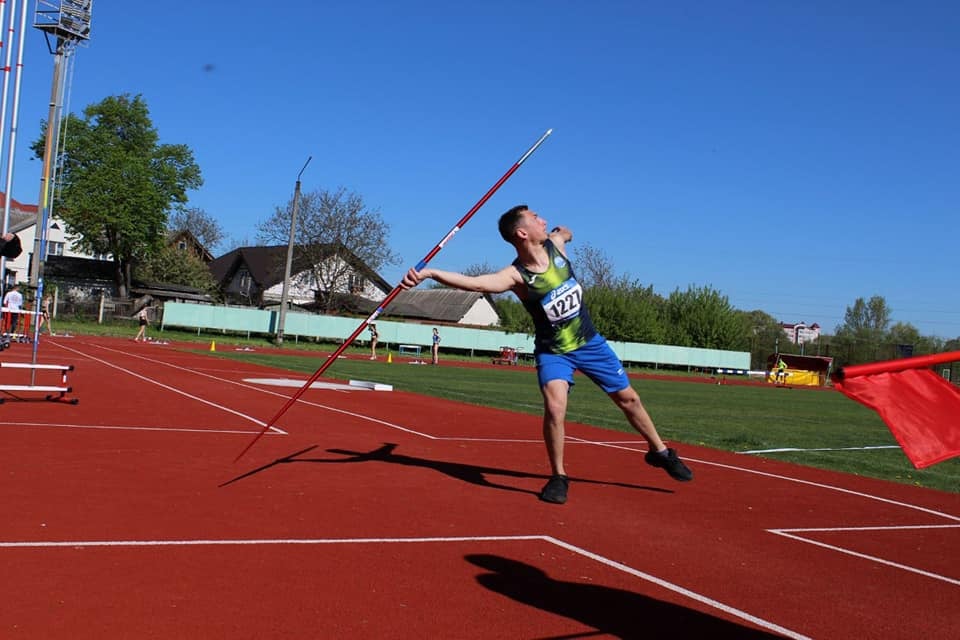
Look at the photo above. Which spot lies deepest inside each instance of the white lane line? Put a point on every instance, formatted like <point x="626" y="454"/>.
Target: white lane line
<point x="181" y="392"/>
<point x="309" y="403"/>
<point x="787" y="533"/>
<point x="62" y="425"/>
<point x="767" y="474"/>
<point x="613" y="564"/>
<point x="798" y="450"/>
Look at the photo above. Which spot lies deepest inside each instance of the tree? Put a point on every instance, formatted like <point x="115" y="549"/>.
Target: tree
<point x="202" y="225"/>
<point x="701" y="317"/>
<point x="513" y="315"/>
<point x="171" y="266"/>
<point x="627" y="312"/>
<point x="334" y="231"/>
<point x="119" y="182"/>
<point x="761" y="335"/>
<point x="594" y="267"/>
<point x="864" y="326"/>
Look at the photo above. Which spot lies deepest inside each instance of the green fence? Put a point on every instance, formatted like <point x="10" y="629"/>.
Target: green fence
<point x="392" y="334"/>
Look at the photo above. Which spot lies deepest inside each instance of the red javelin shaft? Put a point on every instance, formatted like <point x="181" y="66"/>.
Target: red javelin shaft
<point x="393" y="294"/>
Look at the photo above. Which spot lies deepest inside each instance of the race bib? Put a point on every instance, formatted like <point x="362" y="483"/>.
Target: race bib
<point x="564" y="302"/>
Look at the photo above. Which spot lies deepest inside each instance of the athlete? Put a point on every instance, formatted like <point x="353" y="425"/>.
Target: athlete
<point x="565" y="338"/>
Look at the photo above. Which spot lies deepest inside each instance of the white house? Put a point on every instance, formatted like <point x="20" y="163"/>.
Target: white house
<point x="801" y="333"/>
<point x="23" y="222"/>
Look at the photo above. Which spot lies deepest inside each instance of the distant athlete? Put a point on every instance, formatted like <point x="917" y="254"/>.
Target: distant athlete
<point x="566" y="340"/>
<point x="435" y="347"/>
<point x="143" y="319"/>
<point x="374" y="336"/>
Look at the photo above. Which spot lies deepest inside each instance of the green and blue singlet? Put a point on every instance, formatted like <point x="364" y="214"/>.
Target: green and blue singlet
<point x="554" y="299"/>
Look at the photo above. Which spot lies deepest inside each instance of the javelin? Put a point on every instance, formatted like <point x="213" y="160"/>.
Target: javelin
<point x="393" y="294"/>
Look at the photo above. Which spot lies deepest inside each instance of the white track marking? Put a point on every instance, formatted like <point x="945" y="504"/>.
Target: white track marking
<point x="892" y="527"/>
<point x="279" y="395"/>
<point x="831" y="487"/>
<point x="790" y="533"/>
<point x="612" y="564"/>
<point x="797" y="450"/>
<point x="215" y="405"/>
<point x="710" y="602"/>
<point x="781" y="477"/>
<point x="60" y="425"/>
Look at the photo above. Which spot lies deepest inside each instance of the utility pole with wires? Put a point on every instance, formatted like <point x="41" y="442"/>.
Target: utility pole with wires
<point x="284" y="294"/>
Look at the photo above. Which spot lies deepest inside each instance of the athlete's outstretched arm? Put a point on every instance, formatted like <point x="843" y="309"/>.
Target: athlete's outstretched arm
<point x="498" y="282"/>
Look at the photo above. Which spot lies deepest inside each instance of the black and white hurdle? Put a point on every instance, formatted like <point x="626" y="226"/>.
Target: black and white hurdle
<point x="62" y="389"/>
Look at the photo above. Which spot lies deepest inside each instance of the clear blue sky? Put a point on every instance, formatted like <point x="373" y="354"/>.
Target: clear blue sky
<point x="792" y="155"/>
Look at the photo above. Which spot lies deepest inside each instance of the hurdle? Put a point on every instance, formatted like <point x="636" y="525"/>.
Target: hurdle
<point x="411" y="350"/>
<point x="16" y="325"/>
<point x="62" y="389"/>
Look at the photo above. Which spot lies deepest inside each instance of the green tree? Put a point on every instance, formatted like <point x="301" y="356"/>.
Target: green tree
<point x="171" y="266"/>
<point x="701" y="317"/>
<point x="118" y="182"/>
<point x="863" y="331"/>
<point x="627" y="312"/>
<point x="761" y="334"/>
<point x="513" y="315"/>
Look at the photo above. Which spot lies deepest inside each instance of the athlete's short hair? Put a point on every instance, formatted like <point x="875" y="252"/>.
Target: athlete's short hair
<point x="509" y="221"/>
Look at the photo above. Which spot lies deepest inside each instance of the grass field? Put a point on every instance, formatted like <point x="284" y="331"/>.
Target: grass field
<point x="730" y="417"/>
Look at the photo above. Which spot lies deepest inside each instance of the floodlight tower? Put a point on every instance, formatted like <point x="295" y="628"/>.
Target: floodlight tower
<point x="64" y="23"/>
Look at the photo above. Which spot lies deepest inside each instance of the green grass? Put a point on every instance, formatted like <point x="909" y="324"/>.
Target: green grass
<point x="730" y="417"/>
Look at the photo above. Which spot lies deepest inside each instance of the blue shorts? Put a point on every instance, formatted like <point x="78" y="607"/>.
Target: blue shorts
<point x="596" y="360"/>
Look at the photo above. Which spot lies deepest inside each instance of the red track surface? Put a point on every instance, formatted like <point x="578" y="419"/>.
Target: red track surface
<point x="391" y="515"/>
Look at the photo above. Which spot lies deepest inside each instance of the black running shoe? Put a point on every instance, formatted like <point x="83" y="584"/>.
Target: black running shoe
<point x="670" y="463"/>
<point x="555" y="490"/>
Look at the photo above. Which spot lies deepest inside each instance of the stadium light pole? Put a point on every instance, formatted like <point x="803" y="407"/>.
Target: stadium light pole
<point x="66" y="22"/>
<point x="285" y="292"/>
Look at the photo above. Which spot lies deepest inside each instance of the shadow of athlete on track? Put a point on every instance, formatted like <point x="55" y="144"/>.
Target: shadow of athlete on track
<point x="470" y="473"/>
<point x="615" y="612"/>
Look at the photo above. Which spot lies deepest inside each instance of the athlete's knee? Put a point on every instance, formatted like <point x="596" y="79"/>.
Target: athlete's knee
<point x="627" y="399"/>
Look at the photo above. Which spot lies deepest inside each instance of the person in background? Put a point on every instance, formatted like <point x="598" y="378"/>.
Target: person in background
<point x="435" y="347"/>
<point x="45" y="315"/>
<point x="12" y="304"/>
<point x="373" y="340"/>
<point x="565" y="340"/>
<point x="143" y="316"/>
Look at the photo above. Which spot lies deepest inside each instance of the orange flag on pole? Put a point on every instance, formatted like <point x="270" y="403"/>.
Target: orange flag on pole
<point x="921" y="409"/>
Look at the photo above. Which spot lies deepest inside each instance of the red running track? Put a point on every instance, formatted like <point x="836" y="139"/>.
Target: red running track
<point x="391" y="515"/>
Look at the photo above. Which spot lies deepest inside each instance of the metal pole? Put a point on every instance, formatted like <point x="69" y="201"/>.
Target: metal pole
<point x="46" y="190"/>
<point x="3" y="118"/>
<point x="281" y="322"/>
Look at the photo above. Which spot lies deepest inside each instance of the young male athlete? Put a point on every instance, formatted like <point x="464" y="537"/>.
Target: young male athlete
<point x="565" y="341"/>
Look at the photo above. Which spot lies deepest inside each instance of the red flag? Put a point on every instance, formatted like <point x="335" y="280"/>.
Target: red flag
<point x="921" y="409"/>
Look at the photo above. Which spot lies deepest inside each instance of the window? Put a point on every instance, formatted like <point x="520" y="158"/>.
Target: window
<point x="356" y="283"/>
<point x="244" y="281"/>
<point x="182" y="245"/>
<point x="55" y="248"/>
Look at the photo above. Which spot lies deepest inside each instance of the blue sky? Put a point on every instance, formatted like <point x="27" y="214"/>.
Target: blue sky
<point x="793" y="155"/>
